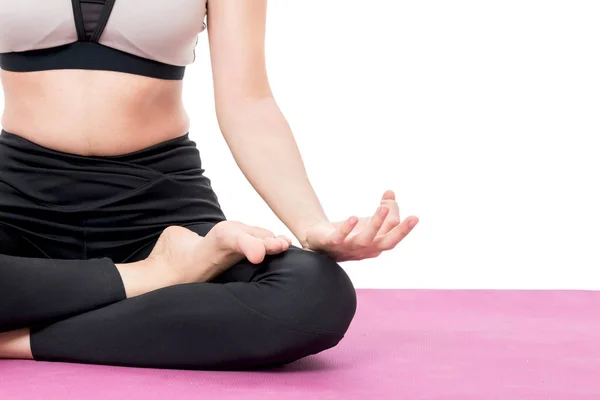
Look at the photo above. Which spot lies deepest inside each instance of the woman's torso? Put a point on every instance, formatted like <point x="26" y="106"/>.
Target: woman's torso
<point x="87" y="107"/>
<point x="92" y="112"/>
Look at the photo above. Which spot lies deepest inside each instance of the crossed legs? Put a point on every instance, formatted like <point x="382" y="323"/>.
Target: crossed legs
<point x="290" y="305"/>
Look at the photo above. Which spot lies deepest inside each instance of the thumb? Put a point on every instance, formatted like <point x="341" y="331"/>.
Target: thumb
<point x="388" y="195"/>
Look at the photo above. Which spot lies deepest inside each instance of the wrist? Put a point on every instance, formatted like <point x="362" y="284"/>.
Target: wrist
<point x="303" y="233"/>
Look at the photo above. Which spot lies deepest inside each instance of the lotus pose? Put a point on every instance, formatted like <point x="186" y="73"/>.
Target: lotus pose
<point x="113" y="246"/>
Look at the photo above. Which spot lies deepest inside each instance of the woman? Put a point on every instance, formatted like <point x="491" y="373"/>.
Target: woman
<point x="114" y="249"/>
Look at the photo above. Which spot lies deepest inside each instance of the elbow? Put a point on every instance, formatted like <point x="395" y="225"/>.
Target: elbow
<point x="234" y="103"/>
<point x="236" y="96"/>
<point x="242" y="111"/>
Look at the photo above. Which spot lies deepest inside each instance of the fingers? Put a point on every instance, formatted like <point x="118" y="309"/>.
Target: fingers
<point x="390" y="223"/>
<point x="366" y="236"/>
<point x="393" y="218"/>
<point x="388" y="195"/>
<point x="343" y="231"/>
<point x="391" y="239"/>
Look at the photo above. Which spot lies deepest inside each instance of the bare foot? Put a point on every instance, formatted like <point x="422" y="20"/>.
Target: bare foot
<point x="182" y="256"/>
<point x="15" y="344"/>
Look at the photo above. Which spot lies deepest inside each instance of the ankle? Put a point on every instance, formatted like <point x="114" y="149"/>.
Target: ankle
<point x="15" y="344"/>
<point x="144" y="276"/>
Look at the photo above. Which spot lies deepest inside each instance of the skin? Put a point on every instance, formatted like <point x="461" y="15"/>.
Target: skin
<point x="67" y="110"/>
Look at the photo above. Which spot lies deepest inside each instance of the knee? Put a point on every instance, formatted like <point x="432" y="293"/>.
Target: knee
<point x="309" y="291"/>
<point x="326" y="295"/>
<point x="302" y="302"/>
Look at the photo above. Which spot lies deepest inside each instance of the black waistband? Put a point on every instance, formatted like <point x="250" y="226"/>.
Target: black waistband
<point x="169" y="157"/>
<point x="90" y="56"/>
<point x="44" y="174"/>
<point x="148" y="189"/>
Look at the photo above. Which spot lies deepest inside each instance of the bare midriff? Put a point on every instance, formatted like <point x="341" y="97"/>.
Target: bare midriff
<point x="92" y="113"/>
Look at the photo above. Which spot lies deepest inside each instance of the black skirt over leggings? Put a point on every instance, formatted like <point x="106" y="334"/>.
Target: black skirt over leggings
<point x="65" y="220"/>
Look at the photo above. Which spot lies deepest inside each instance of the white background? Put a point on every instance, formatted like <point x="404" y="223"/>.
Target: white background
<point x="483" y="116"/>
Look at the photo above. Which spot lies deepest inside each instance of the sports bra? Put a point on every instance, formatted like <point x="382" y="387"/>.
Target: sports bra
<point x="155" y="38"/>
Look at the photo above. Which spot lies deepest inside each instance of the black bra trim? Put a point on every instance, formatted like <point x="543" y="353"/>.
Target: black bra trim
<point x="78" y="15"/>
<point x="104" y="17"/>
<point x="90" y="56"/>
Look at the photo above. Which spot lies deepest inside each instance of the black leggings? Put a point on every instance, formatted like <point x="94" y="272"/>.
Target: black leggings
<point x="66" y="219"/>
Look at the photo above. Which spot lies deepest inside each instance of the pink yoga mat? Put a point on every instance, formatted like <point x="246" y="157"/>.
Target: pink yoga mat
<point x="403" y="344"/>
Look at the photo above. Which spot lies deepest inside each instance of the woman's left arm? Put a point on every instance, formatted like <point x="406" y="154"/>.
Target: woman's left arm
<point x="252" y="124"/>
<point x="256" y="131"/>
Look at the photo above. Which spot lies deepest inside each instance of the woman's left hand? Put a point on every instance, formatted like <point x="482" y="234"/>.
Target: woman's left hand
<point x="360" y="238"/>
